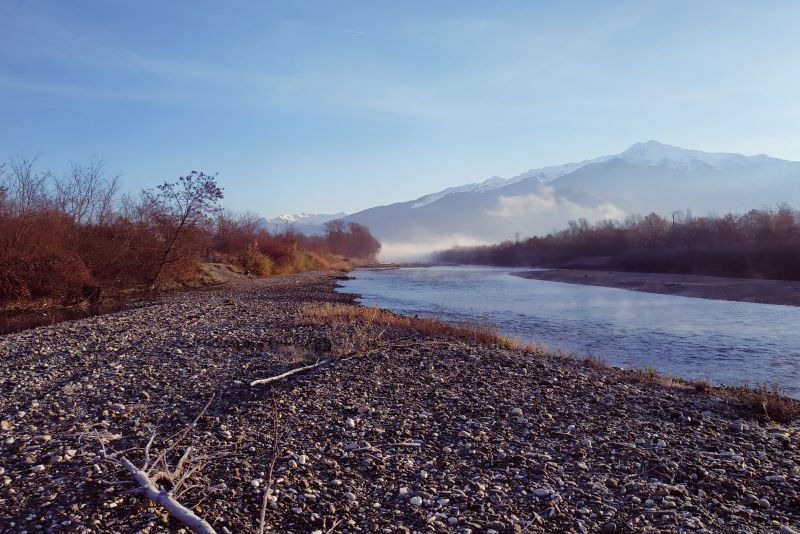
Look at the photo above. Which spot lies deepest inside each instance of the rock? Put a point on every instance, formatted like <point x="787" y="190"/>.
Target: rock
<point x="363" y="409"/>
<point x="255" y="483"/>
<point x="516" y="411"/>
<point x="464" y="434"/>
<point x="763" y="503"/>
<point x="775" y="478"/>
<point x="350" y="496"/>
<point x="788" y="530"/>
<point x="302" y="459"/>
<point x="5" y="425"/>
<point x="42" y="438"/>
<point x="609" y="528"/>
<point x="541" y="492"/>
<point x="38" y="468"/>
<point x="660" y="444"/>
<point x="738" y="426"/>
<point x="349" y="423"/>
<point x="415" y="500"/>
<point x="118" y="407"/>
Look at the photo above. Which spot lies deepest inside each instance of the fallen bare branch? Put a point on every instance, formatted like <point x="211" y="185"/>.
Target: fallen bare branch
<point x="154" y="470"/>
<point x="164" y="499"/>
<point x="287" y="373"/>
<point x="387" y="446"/>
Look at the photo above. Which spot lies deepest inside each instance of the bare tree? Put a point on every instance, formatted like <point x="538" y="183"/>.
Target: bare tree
<point x="85" y="194"/>
<point x="184" y="203"/>
<point x="26" y="190"/>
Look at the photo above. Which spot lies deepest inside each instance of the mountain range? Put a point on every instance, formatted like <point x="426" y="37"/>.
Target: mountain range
<point x="646" y="177"/>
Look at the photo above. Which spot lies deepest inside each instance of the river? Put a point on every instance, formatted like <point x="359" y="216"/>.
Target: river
<point x="719" y="341"/>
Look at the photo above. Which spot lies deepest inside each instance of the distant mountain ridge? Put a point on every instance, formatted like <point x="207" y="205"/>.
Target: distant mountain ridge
<point x="649" y="176"/>
<point x="302" y="222"/>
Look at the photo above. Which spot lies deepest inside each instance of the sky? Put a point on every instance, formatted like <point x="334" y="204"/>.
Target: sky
<point x="322" y="106"/>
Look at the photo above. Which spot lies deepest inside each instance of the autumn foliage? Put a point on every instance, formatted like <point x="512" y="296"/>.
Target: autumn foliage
<point x="72" y="238"/>
<point x="758" y="244"/>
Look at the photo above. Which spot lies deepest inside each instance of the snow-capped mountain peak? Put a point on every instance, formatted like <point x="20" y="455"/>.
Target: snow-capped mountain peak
<point x="653" y="153"/>
<point x="304" y="219"/>
<point x="649" y="154"/>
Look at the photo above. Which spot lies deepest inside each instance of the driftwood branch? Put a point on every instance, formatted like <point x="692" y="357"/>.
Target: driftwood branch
<point x="164" y="499"/>
<point x="387" y="446"/>
<point x="154" y="470"/>
<point x="287" y="373"/>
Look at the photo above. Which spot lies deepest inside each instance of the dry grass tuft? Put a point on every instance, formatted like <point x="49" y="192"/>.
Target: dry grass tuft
<point x="594" y="362"/>
<point x="478" y="332"/>
<point x="764" y="401"/>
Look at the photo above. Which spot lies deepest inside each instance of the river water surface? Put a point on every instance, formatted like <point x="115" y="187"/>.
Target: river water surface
<point x="720" y="341"/>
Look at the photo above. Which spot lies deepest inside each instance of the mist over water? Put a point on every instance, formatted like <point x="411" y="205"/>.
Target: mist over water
<point x="722" y="342"/>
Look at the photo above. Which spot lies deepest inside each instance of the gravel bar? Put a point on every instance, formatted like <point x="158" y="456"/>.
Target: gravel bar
<point x="430" y="435"/>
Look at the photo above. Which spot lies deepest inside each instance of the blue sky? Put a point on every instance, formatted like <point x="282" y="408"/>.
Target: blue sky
<point x="328" y="106"/>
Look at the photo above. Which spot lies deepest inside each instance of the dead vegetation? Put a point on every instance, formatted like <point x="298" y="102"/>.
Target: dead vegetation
<point x="73" y="240"/>
<point x="761" y="402"/>
<point x="764" y="402"/>
<point x="476" y="332"/>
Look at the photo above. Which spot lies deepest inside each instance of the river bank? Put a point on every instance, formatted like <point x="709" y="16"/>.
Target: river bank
<point x="395" y="430"/>
<point x="784" y="292"/>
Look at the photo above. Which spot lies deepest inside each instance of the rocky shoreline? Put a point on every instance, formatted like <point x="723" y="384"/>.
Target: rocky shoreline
<point x="416" y="434"/>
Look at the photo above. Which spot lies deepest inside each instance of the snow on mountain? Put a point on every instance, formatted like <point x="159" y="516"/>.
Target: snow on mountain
<point x="646" y="177"/>
<point x="488" y="184"/>
<point x="651" y="153"/>
<point x="303" y="219"/>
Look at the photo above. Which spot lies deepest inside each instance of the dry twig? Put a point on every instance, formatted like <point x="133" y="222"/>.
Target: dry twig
<point x="275" y="454"/>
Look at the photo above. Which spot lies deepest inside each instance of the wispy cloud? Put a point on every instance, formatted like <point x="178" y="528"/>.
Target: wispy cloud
<point x="75" y="90"/>
<point x="323" y="28"/>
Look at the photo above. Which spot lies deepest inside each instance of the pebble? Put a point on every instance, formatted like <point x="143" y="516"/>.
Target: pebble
<point x="494" y="477"/>
<point x="738" y="426"/>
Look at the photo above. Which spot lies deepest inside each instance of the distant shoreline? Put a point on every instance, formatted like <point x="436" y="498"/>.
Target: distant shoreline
<point x="783" y="292"/>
